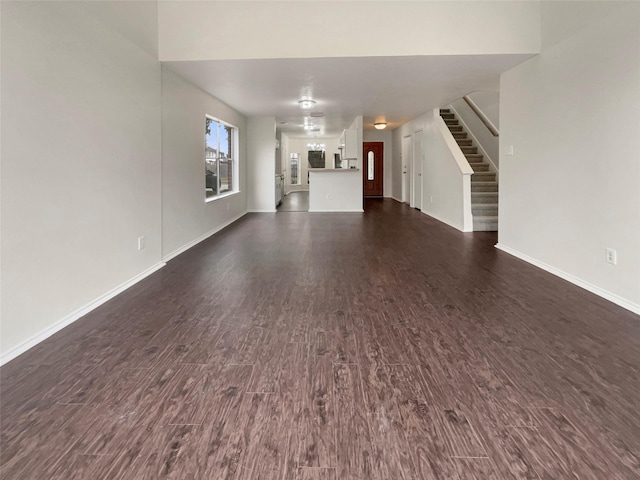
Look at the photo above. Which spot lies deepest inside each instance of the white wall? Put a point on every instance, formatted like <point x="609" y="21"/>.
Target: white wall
<point x="386" y="137"/>
<point x="187" y="29"/>
<point x="445" y="172"/>
<point x="397" y="176"/>
<point x="358" y="187"/>
<point x="261" y="157"/>
<point x="477" y="130"/>
<point x="186" y="217"/>
<point x="572" y="115"/>
<point x="80" y="164"/>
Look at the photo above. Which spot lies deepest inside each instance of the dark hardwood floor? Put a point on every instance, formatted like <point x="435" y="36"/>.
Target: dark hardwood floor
<point x="375" y="346"/>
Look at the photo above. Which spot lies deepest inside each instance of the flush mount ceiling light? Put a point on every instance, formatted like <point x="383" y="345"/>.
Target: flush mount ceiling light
<point x="308" y="127"/>
<point x="306" y="104"/>
<point x="380" y="125"/>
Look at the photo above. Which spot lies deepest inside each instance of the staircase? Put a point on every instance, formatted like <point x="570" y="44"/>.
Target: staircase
<point x="484" y="186"/>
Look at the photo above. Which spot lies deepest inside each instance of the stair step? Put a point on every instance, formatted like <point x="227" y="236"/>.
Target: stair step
<point x="475" y="160"/>
<point x="486" y="223"/>
<point x="464" y="142"/>
<point x="469" y="149"/>
<point x="484" y="197"/>
<point x="458" y="135"/>
<point x="483" y="177"/>
<point x="485" y="209"/>
<point x="484" y="187"/>
<point x="447" y="116"/>
<point x="455" y="128"/>
<point x="479" y="167"/>
<point x="451" y="122"/>
<point x="472" y="156"/>
<point x="445" y="110"/>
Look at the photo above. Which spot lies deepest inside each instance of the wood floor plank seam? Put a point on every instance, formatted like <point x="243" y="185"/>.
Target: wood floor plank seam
<point x="329" y="347"/>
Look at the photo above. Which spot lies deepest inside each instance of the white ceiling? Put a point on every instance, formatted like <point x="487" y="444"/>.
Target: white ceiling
<point x="391" y="89"/>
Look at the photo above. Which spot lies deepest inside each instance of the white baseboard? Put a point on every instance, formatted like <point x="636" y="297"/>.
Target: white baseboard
<point x="396" y="199"/>
<point x="72" y="317"/>
<point x="612" y="297"/>
<point x="192" y="243"/>
<point x="262" y="211"/>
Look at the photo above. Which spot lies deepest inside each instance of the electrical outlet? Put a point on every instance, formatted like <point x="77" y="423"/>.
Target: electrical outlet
<point x="140" y="243"/>
<point x="508" y="150"/>
<point x="431" y="198"/>
<point x="612" y="256"/>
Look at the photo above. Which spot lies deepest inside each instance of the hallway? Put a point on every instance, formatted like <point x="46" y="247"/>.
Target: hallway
<point x="383" y="345"/>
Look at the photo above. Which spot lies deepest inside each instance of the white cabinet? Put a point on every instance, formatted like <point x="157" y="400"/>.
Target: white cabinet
<point x="349" y="144"/>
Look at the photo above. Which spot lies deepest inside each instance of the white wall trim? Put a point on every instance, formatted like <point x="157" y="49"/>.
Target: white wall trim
<point x="612" y="297"/>
<point x="396" y="199"/>
<point x="477" y="143"/>
<point x="266" y="210"/>
<point x="72" y="317"/>
<point x="192" y="243"/>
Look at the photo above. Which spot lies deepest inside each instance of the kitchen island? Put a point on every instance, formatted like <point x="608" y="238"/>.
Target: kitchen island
<point x="335" y="190"/>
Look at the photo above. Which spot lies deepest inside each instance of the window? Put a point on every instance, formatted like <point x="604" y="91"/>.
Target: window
<point x="220" y="159"/>
<point x="370" y="165"/>
<point x="295" y="174"/>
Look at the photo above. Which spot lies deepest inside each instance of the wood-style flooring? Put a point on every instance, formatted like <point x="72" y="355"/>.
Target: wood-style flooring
<point x="377" y="346"/>
<point x="295" y="202"/>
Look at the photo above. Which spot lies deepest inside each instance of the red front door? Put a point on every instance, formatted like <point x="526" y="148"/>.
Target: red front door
<point x="372" y="169"/>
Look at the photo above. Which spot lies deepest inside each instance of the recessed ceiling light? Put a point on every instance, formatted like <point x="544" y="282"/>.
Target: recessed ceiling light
<point x="316" y="114"/>
<point x="380" y="125"/>
<point x="306" y="104"/>
<point x="283" y="123"/>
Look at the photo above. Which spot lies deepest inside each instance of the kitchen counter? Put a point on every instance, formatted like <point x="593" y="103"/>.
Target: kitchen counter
<point x="334" y="170"/>
<point x="335" y="190"/>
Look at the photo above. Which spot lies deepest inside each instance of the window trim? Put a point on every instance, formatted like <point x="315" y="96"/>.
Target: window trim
<point x="235" y="157"/>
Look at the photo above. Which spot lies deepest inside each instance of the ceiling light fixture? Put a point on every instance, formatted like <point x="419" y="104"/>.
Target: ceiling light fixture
<point x="306" y="104"/>
<point x="380" y="125"/>
<point x="308" y="127"/>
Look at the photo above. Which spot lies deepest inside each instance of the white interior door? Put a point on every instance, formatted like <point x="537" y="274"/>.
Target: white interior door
<point x="417" y="170"/>
<point x="406" y="169"/>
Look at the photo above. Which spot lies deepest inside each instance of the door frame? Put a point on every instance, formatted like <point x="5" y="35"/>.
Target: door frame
<point x="405" y="157"/>
<point x="379" y="168"/>
<point x="416" y="177"/>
